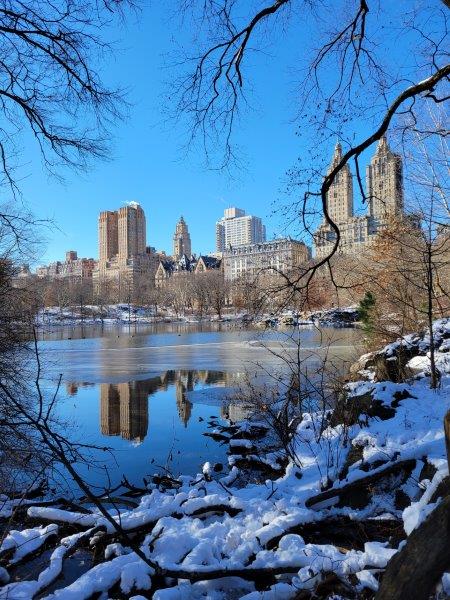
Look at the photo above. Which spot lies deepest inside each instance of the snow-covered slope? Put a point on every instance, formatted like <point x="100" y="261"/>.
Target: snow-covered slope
<point x="378" y="473"/>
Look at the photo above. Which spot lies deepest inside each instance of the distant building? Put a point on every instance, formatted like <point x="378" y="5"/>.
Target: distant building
<point x="384" y="188"/>
<point x="71" y="255"/>
<point x="73" y="269"/>
<point x="21" y="275"/>
<point x="340" y="194"/>
<point x="281" y="255"/>
<point x="123" y="255"/>
<point x="181" y="240"/>
<point x="164" y="270"/>
<point x="208" y="263"/>
<point x="236" y="228"/>
<point x="23" y="272"/>
<point x="384" y="176"/>
<point x="108" y="239"/>
<point x="168" y="267"/>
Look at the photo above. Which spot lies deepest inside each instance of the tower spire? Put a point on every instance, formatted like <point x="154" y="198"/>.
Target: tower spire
<point x="181" y="240"/>
<point x="338" y="149"/>
<point x="383" y="145"/>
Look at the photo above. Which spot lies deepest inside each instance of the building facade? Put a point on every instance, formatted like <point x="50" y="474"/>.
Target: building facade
<point x="181" y="240"/>
<point x="208" y="263"/>
<point x="340" y="194"/>
<point x="124" y="258"/>
<point x="73" y="269"/>
<point x="384" y="189"/>
<point x="249" y="261"/>
<point x="236" y="228"/>
<point x="384" y="176"/>
<point x="168" y="267"/>
<point x="108" y="240"/>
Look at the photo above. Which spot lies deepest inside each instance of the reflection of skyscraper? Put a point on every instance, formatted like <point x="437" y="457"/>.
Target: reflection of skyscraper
<point x="71" y="389"/>
<point x="124" y="409"/>
<point x="124" y="406"/>
<point x="133" y="410"/>
<point x="109" y="409"/>
<point x="184" y="382"/>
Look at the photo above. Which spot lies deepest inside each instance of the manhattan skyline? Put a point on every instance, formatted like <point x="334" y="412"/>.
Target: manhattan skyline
<point x="149" y="163"/>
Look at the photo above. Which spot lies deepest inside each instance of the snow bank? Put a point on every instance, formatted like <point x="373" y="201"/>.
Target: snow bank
<point x="208" y="525"/>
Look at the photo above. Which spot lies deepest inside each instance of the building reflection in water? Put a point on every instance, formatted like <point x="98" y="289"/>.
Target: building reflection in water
<point x="124" y="410"/>
<point x="72" y="387"/>
<point x="124" y="406"/>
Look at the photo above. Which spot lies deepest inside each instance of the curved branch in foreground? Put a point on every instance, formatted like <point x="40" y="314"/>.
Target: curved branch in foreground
<point x="426" y="85"/>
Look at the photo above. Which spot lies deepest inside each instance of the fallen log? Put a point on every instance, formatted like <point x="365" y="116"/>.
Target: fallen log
<point x="414" y="571"/>
<point x="345" y="532"/>
<point x="219" y="509"/>
<point x="357" y="494"/>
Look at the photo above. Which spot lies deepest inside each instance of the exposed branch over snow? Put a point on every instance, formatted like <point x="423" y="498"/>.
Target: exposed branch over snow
<point x="206" y="536"/>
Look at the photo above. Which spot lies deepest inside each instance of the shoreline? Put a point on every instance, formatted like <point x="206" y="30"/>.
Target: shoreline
<point x="360" y="479"/>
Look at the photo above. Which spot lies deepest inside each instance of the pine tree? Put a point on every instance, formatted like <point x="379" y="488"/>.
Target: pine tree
<point x="365" y="309"/>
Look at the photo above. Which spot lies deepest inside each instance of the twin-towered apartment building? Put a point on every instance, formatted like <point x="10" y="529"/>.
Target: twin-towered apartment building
<point x="384" y="195"/>
<point x="123" y="253"/>
<point x="241" y="246"/>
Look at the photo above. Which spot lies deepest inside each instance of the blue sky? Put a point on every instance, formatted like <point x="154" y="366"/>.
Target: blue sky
<point x="148" y="164"/>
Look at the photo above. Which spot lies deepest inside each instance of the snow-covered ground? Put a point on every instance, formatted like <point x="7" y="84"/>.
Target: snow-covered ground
<point x="214" y="539"/>
<point x="118" y="313"/>
<point x="122" y="313"/>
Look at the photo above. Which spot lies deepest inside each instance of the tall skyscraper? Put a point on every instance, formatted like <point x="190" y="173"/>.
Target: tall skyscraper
<point x="236" y="228"/>
<point x="340" y="194"/>
<point x="121" y="232"/>
<point x="131" y="231"/>
<point x="385" y="182"/>
<point x="108" y="242"/>
<point x="181" y="240"/>
<point x="124" y="258"/>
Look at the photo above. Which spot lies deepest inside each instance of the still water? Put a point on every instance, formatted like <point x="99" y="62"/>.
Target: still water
<point x="148" y="392"/>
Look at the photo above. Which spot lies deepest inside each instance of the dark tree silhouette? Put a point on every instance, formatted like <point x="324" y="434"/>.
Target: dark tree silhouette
<point x="49" y="86"/>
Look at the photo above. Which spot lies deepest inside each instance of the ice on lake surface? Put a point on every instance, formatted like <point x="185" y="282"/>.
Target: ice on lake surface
<point x="149" y="392"/>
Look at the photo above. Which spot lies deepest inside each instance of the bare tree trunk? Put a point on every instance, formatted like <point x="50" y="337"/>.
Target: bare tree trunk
<point x="447" y="436"/>
<point x="434" y="374"/>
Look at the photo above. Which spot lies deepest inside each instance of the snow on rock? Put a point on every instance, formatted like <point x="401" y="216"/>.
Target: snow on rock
<point x="195" y="504"/>
<point x="184" y="532"/>
<point x="416" y="512"/>
<point x="367" y="580"/>
<point x="241" y="443"/>
<point x="279" y="591"/>
<point x="446" y="583"/>
<point x="280" y="524"/>
<point x="207" y="469"/>
<point x="231" y="477"/>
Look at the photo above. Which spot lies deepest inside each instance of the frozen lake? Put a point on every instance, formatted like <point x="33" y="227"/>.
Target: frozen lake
<point x="148" y="391"/>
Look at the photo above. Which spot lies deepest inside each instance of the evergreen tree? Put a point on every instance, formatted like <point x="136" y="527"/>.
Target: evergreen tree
<point x="365" y="309"/>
